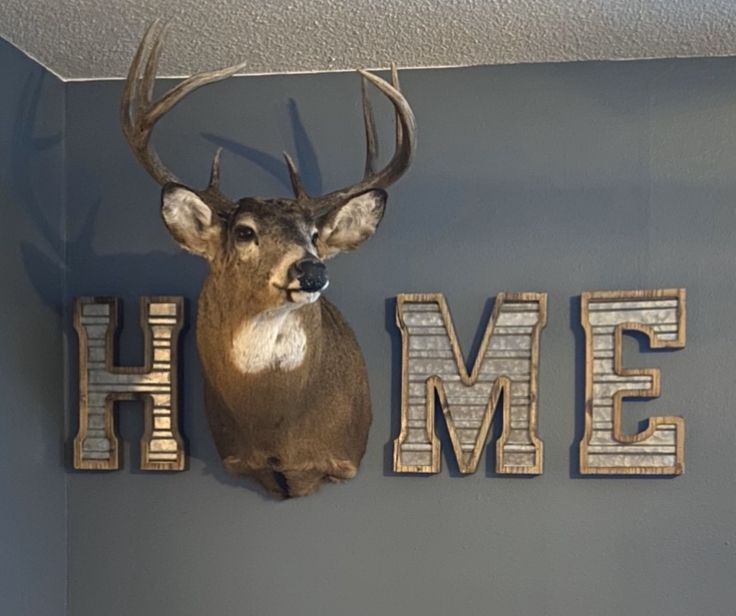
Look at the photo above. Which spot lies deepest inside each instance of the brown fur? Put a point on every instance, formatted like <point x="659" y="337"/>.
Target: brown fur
<point x="289" y="430"/>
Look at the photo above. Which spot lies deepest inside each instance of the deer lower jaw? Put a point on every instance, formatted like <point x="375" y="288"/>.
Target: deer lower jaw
<point x="304" y="297"/>
<point x="297" y="295"/>
<point x="273" y="340"/>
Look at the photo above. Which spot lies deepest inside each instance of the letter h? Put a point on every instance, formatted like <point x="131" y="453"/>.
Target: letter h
<point x="101" y="384"/>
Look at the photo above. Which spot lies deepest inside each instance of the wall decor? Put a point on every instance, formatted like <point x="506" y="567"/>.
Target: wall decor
<point x="101" y="384"/>
<point x="507" y="365"/>
<point x="605" y="448"/>
<point x="286" y="388"/>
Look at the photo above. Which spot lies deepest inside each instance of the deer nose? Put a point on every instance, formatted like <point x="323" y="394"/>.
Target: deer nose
<point x="311" y="274"/>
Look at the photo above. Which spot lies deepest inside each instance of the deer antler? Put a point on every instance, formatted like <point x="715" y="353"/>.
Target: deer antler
<point x="139" y="112"/>
<point x="404" y="151"/>
<point x="396" y="167"/>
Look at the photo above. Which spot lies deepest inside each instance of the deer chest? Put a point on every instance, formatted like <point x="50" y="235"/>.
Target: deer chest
<point x="271" y="342"/>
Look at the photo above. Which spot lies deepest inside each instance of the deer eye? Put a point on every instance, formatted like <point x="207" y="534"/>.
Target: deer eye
<point x="244" y="233"/>
<point x="315" y="237"/>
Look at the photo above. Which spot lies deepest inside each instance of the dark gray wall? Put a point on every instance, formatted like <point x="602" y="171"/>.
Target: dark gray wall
<point x="32" y="479"/>
<point x="552" y="178"/>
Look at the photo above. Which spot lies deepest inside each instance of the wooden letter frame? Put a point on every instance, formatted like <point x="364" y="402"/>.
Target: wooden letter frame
<point x="657" y="425"/>
<point x="516" y="453"/>
<point x="101" y="384"/>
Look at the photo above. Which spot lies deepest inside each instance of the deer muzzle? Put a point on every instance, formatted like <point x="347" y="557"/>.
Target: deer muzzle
<point x="311" y="275"/>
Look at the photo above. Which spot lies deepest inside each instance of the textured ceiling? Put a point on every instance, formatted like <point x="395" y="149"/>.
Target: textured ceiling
<point x="95" y="39"/>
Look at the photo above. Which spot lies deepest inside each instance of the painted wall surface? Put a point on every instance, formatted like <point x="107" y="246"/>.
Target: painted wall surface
<point x="32" y="479"/>
<point x="552" y="178"/>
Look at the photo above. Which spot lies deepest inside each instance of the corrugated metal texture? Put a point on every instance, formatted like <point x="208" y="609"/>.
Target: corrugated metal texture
<point x="94" y="39"/>
<point x="508" y="360"/>
<point x="96" y="446"/>
<point x="605" y="450"/>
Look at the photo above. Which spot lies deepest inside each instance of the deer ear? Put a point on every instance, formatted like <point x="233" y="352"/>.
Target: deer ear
<point x="348" y="226"/>
<point x="190" y="220"/>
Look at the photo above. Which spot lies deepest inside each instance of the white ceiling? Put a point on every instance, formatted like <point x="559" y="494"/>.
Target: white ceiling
<point x="95" y="39"/>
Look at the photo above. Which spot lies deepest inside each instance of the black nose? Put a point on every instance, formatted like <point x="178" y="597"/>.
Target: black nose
<point x="311" y="274"/>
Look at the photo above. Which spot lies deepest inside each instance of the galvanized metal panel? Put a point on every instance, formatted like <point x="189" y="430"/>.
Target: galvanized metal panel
<point x="432" y="364"/>
<point x="96" y="446"/>
<point x="605" y="449"/>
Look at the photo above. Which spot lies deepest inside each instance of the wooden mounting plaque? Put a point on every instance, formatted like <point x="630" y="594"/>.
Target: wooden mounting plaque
<point x="101" y="384"/>
<point x="605" y="449"/>
<point x="507" y="363"/>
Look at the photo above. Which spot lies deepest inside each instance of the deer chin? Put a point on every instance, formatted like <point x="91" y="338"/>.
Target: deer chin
<point x="297" y="295"/>
<point x="303" y="297"/>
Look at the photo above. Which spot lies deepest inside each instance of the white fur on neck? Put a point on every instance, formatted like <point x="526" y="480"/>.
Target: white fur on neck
<point x="271" y="340"/>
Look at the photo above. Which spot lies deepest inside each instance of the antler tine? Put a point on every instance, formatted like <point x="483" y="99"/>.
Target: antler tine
<point x="371" y="140"/>
<point x="400" y="161"/>
<point x="130" y="91"/>
<point x="296" y="181"/>
<point x="395" y="84"/>
<point x="139" y="113"/>
<point x="136" y="100"/>
<point x="406" y="125"/>
<point x="148" y="80"/>
<point x="169" y="100"/>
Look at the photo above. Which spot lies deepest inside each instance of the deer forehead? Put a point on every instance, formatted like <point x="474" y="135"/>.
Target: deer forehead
<point x="271" y="208"/>
<point x="291" y="225"/>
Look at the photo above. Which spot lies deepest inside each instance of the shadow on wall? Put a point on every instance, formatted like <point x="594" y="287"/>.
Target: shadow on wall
<point x="306" y="157"/>
<point x="31" y="349"/>
<point x="45" y="269"/>
<point x="177" y="273"/>
<point x="44" y="272"/>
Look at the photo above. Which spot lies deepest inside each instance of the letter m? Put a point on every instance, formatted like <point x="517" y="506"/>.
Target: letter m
<point x="505" y="370"/>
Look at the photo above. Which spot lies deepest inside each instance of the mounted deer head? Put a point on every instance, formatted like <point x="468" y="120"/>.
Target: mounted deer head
<point x="286" y="389"/>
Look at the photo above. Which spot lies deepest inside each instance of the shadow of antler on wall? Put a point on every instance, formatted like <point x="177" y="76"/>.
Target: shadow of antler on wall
<point x="44" y="268"/>
<point x="48" y="261"/>
<point x="306" y="157"/>
<point x="61" y="266"/>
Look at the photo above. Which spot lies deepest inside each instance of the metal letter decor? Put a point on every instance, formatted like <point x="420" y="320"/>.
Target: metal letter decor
<point x="101" y="383"/>
<point x="605" y="449"/>
<point x="507" y="363"/>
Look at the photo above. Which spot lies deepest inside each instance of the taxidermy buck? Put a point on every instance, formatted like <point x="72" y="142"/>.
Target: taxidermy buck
<point x="286" y="388"/>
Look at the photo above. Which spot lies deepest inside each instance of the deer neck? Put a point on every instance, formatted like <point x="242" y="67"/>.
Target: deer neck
<point x="272" y="340"/>
<point x="252" y="343"/>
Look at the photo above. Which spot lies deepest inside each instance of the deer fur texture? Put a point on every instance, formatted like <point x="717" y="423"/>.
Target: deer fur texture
<point x="286" y="386"/>
<point x="288" y="428"/>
